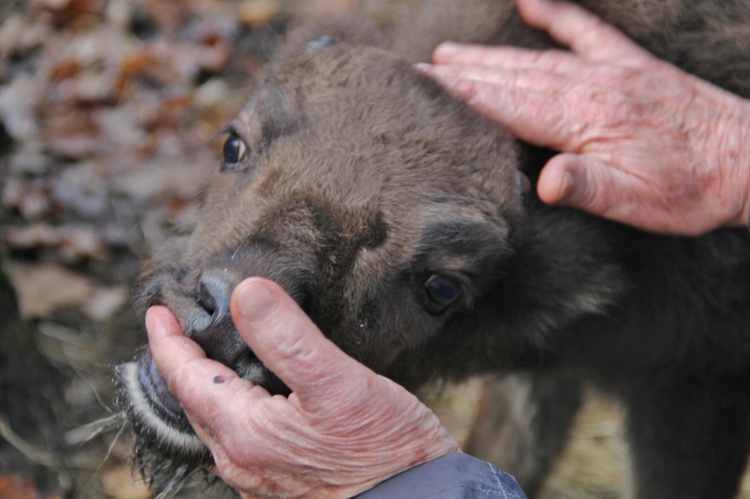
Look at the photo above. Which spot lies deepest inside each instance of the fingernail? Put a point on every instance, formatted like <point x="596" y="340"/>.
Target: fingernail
<point x="254" y="301"/>
<point x="423" y="66"/>
<point x="448" y="48"/>
<point x="566" y="189"/>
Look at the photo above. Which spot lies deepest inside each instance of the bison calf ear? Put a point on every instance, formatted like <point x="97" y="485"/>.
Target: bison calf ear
<point x="469" y="244"/>
<point x="331" y="32"/>
<point x="523" y="184"/>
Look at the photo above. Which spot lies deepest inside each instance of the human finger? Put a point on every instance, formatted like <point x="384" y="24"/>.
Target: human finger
<point x="585" y="183"/>
<point x="506" y="57"/>
<point x="190" y="375"/>
<point x="578" y="29"/>
<point x="284" y="338"/>
<point x="532" y="79"/>
<point x="169" y="346"/>
<point x="534" y="116"/>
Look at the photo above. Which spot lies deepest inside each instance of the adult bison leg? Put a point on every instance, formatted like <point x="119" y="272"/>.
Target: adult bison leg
<point x="522" y="423"/>
<point x="688" y="431"/>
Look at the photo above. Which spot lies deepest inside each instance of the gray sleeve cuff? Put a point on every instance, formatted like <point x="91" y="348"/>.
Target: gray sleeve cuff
<point x="450" y="477"/>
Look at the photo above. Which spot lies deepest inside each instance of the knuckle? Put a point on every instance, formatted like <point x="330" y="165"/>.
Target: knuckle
<point x="591" y="187"/>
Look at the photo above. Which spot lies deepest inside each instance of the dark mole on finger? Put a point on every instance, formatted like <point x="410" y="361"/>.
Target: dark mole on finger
<point x="219" y="379"/>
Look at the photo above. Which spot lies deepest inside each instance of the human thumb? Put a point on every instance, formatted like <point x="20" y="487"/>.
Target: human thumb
<point x="577" y="181"/>
<point x="285" y="339"/>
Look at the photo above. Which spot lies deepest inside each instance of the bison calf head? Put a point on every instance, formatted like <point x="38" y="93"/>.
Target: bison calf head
<point x="383" y="206"/>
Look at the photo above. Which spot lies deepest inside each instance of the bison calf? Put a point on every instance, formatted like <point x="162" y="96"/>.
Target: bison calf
<point x="392" y="214"/>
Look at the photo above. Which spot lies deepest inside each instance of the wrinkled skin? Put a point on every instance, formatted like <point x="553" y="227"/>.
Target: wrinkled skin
<point x="368" y="428"/>
<point x="611" y="108"/>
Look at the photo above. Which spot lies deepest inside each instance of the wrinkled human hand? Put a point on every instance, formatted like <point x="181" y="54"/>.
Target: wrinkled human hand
<point x="641" y="141"/>
<point x="342" y="430"/>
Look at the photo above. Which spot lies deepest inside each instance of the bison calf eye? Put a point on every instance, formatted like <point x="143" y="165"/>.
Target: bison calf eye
<point x="441" y="291"/>
<point x="234" y="152"/>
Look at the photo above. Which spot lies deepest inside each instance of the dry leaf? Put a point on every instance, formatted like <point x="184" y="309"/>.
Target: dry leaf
<point x="16" y="486"/>
<point x="73" y="243"/>
<point x="18" y="103"/>
<point x="105" y="302"/>
<point x="20" y="35"/>
<point x="45" y="288"/>
<point x="118" y="483"/>
<point x="255" y="12"/>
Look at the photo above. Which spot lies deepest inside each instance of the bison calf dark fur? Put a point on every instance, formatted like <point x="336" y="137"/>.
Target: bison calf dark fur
<point x="392" y="214"/>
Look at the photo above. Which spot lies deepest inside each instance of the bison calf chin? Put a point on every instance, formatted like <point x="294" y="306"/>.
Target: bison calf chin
<point x="392" y="214"/>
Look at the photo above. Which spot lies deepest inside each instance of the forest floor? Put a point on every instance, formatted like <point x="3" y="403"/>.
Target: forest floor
<point x="110" y="113"/>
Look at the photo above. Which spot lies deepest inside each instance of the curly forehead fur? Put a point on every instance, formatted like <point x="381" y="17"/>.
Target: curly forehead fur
<point x="345" y="138"/>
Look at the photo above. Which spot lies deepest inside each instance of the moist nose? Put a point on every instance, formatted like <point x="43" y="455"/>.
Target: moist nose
<point x="214" y="295"/>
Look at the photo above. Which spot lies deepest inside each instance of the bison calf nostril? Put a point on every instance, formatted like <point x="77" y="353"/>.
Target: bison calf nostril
<point x="206" y="299"/>
<point x="214" y="293"/>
